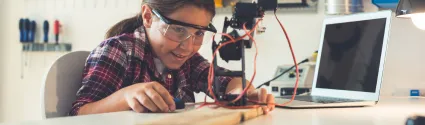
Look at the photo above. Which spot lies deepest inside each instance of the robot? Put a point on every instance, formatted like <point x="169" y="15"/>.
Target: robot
<point x="243" y="13"/>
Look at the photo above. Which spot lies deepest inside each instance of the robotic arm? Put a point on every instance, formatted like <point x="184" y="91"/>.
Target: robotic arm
<point x="243" y="13"/>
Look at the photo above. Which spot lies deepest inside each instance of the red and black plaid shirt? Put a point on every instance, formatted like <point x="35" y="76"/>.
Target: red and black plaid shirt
<point x="127" y="59"/>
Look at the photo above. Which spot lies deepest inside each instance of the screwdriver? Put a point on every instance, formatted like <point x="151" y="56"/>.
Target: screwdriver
<point x="46" y="31"/>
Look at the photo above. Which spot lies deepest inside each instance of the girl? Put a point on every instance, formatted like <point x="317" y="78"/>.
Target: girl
<point x="152" y="58"/>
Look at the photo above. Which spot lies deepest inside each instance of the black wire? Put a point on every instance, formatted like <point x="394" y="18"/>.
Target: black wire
<point x="268" y="82"/>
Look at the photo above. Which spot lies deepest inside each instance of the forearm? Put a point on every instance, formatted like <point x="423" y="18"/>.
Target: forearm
<point x="113" y="103"/>
<point x="235" y="86"/>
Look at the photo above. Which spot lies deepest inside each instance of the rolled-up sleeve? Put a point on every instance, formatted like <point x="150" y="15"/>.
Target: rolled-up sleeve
<point x="103" y="74"/>
<point x="199" y="73"/>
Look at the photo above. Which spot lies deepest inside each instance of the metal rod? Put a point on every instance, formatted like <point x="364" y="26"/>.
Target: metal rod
<point x="243" y="100"/>
<point x="224" y="73"/>
<point x="216" y="85"/>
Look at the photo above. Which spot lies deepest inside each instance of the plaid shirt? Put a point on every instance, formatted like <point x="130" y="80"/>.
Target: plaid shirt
<point x="127" y="59"/>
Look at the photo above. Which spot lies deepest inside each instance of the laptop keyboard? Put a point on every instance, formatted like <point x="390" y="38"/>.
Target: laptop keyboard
<point x="320" y="99"/>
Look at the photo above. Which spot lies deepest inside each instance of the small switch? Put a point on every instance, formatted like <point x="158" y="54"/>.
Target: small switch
<point x="275" y="89"/>
<point x="291" y="75"/>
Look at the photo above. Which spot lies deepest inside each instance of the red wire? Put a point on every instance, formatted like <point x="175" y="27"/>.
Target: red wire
<point x="294" y="59"/>
<point x="211" y="71"/>
<point x="257" y="103"/>
<point x="250" y="82"/>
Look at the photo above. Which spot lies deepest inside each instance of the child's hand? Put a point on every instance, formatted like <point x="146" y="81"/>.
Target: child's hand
<point x="151" y="96"/>
<point x="262" y="96"/>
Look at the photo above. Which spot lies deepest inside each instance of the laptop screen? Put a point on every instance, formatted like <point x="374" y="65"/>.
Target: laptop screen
<point x="350" y="55"/>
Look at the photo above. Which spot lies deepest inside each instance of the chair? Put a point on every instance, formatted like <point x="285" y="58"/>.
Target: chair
<point x="61" y="84"/>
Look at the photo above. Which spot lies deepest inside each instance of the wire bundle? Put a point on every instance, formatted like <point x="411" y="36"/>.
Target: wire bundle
<point x="256" y="103"/>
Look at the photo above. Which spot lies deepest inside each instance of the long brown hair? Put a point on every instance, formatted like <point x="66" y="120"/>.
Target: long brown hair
<point x="166" y="7"/>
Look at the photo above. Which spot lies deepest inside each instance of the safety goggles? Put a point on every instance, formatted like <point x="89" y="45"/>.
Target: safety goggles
<point x="179" y="31"/>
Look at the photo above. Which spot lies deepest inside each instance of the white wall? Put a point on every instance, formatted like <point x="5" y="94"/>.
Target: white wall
<point x="13" y="88"/>
<point x="404" y="64"/>
<point x="85" y="26"/>
<point x="1" y="61"/>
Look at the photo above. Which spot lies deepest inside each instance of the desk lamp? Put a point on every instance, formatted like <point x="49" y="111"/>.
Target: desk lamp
<point x="414" y="9"/>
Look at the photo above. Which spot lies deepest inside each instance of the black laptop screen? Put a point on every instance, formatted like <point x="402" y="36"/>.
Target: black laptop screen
<point x="351" y="55"/>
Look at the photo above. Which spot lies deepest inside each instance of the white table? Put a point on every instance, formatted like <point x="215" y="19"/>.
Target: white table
<point x="389" y="111"/>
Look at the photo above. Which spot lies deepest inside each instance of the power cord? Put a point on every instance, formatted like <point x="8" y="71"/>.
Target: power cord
<point x="312" y="58"/>
<point x="268" y="82"/>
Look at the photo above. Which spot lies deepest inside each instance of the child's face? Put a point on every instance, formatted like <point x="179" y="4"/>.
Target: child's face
<point x="163" y="37"/>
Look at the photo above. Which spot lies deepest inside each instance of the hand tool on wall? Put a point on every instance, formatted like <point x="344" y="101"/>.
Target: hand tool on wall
<point x="46" y="31"/>
<point x="56" y="31"/>
<point x="32" y="30"/>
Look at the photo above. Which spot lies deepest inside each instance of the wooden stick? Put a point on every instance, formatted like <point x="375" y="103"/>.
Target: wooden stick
<point x="208" y="116"/>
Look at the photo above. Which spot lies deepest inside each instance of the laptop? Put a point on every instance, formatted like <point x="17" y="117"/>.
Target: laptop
<point x="350" y="62"/>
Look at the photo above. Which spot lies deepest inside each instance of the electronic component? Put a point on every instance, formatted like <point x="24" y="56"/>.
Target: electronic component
<point x="179" y="103"/>
<point x="244" y="13"/>
<point x="284" y="84"/>
<point x="311" y="59"/>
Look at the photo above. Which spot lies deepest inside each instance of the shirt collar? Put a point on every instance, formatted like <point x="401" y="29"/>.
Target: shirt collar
<point x="159" y="65"/>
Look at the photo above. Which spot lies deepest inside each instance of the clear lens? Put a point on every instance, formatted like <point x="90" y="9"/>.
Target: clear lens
<point x="180" y="34"/>
<point x="177" y="33"/>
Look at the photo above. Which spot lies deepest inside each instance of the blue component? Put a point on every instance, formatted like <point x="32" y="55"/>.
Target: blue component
<point x="414" y="92"/>
<point x="387" y="4"/>
<point x="179" y="103"/>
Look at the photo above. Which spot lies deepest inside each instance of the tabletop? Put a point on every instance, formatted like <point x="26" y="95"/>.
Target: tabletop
<point x="388" y="111"/>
